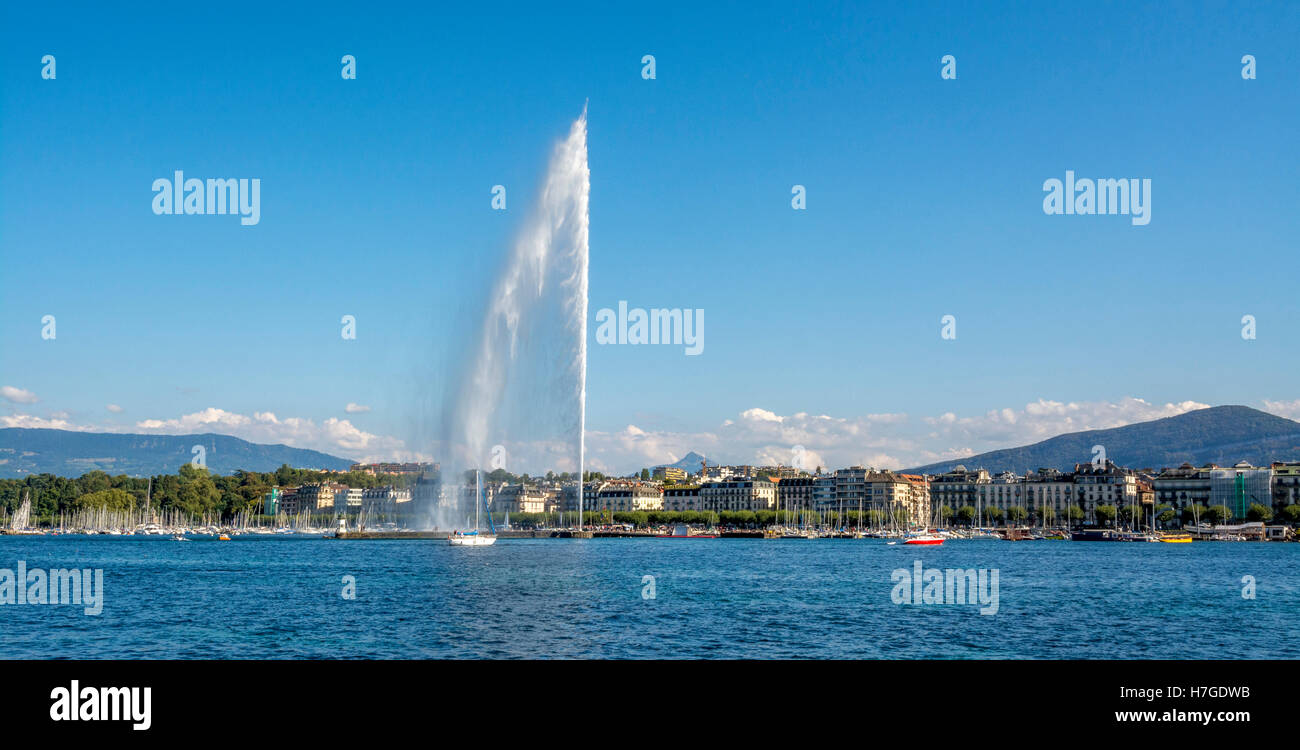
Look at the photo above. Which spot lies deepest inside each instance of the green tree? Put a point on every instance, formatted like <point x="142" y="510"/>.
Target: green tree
<point x="109" y="499"/>
<point x="1016" y="514"/>
<point x="197" y="493"/>
<point x="1105" y="514"/>
<point x="966" y="514"/>
<point x="1259" y="512"/>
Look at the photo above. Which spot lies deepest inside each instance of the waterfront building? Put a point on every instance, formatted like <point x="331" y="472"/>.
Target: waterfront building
<point x="958" y="487"/>
<point x="1241" y="486"/>
<point x="271" y="502"/>
<point x="385" y="499"/>
<point x="569" y="495"/>
<point x="891" y="493"/>
<point x="796" y="493"/>
<point x="315" y="497"/>
<point x="1002" y="491"/>
<point x="347" y="498"/>
<point x="1048" y="493"/>
<point x="551" y="501"/>
<point x="519" y="498"/>
<point x="919" y="506"/>
<point x="738" y="494"/>
<point x="1103" y="485"/>
<point x="627" y="496"/>
<point x="823" y="493"/>
<point x="1286" y="483"/>
<point x="682" y="498"/>
<point x="851" y="487"/>
<point x="289" y="504"/>
<point x="466" y="494"/>
<point x="1184" y="486"/>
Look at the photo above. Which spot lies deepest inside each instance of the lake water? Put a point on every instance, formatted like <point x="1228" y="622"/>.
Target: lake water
<point x="552" y="598"/>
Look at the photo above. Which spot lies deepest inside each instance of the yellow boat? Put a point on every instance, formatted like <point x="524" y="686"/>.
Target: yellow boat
<point x="1176" y="538"/>
<point x="224" y="538"/>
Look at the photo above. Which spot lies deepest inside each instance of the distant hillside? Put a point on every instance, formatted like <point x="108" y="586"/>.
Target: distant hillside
<point x="71" y="454"/>
<point x="690" y="463"/>
<point x="1222" y="434"/>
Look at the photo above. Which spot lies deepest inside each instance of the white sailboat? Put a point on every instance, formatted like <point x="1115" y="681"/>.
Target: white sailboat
<point x="475" y="538"/>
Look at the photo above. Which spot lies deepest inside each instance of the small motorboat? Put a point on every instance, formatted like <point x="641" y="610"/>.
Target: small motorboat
<point x="924" y="538"/>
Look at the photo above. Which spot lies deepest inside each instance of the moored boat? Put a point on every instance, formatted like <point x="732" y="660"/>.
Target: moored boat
<point x="924" y="537"/>
<point x="682" y="531"/>
<point x="475" y="538"/>
<point x="1096" y="535"/>
<point x="470" y="539"/>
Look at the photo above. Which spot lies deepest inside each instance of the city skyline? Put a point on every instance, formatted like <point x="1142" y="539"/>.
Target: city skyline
<point x="825" y="325"/>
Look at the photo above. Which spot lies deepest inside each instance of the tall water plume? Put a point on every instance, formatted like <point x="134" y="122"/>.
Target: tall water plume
<point x="522" y="384"/>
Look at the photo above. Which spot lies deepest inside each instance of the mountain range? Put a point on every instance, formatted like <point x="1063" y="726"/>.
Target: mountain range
<point x="1222" y="435"/>
<point x="67" y="453"/>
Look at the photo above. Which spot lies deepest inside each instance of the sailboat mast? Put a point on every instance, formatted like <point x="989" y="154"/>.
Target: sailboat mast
<point x="478" y="495"/>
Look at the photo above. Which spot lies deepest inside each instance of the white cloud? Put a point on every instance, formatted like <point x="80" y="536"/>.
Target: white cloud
<point x="34" y="422"/>
<point x="352" y="408"/>
<point x="114" y="408"/>
<point x="887" y="441"/>
<point x="1288" y="409"/>
<point x="337" y="436"/>
<point x="17" y="395"/>
<point x="756" y="436"/>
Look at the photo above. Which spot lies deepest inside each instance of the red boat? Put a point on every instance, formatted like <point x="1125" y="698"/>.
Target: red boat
<point x="924" y="538"/>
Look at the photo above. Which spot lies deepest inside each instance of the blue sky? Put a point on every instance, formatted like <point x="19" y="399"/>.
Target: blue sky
<point x="924" y="199"/>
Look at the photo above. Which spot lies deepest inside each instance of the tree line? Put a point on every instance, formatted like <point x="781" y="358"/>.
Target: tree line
<point x="194" y="490"/>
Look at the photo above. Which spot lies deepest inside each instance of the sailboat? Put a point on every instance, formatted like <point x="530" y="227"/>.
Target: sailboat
<point x="921" y="535"/>
<point x="475" y="538"/>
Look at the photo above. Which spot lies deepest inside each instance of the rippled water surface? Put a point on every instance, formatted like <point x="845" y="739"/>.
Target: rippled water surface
<point x="280" y="598"/>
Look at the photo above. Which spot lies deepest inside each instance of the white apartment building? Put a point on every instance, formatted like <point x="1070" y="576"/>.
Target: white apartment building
<point x="738" y="494"/>
<point x="519" y="498"/>
<point x="347" y="499"/>
<point x="626" y="496"/>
